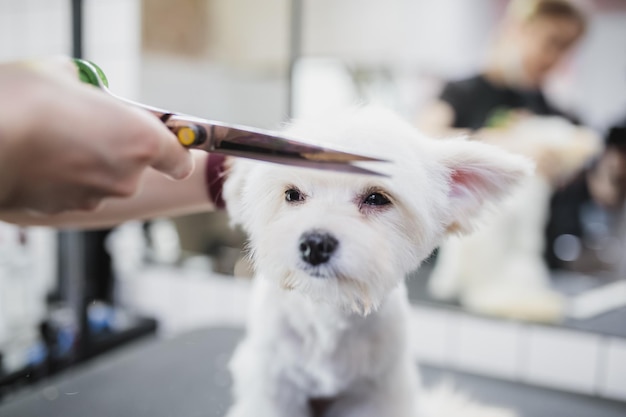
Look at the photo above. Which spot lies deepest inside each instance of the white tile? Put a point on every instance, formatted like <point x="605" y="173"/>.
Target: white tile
<point x="430" y="333"/>
<point x="232" y="300"/>
<point x="34" y="28"/>
<point x="562" y="359"/>
<point x="182" y="300"/>
<point x="122" y="74"/>
<point x="36" y="4"/>
<point x="11" y="34"/>
<point x="112" y="29"/>
<point x="61" y="31"/>
<point x="63" y="5"/>
<point x="488" y="347"/>
<point x="40" y="37"/>
<point x="7" y="33"/>
<point x="613" y="383"/>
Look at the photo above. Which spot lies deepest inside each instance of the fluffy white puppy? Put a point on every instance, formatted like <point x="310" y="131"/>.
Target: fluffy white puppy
<point x="327" y="329"/>
<point x="499" y="270"/>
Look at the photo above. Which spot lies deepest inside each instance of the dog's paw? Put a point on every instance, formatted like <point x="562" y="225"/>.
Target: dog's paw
<point x="445" y="401"/>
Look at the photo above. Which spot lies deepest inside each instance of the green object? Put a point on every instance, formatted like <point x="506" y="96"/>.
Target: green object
<point x="90" y="73"/>
<point x="499" y="117"/>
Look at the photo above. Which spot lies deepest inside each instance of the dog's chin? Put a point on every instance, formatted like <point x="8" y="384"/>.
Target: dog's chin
<point x="324" y="286"/>
<point x="318" y="272"/>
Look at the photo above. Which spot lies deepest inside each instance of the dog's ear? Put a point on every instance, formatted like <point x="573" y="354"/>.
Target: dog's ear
<point x="478" y="176"/>
<point x="236" y="175"/>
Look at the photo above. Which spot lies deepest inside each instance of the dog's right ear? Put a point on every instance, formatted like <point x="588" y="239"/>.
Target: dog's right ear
<point x="478" y="176"/>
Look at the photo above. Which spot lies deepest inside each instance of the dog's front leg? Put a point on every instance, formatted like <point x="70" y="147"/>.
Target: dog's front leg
<point x="260" y="404"/>
<point x="394" y="394"/>
<point x="261" y="387"/>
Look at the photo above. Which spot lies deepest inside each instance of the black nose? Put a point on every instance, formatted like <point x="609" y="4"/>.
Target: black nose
<point x="317" y="247"/>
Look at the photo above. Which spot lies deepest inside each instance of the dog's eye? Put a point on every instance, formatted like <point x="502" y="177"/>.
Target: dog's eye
<point x="376" y="199"/>
<point x="293" y="195"/>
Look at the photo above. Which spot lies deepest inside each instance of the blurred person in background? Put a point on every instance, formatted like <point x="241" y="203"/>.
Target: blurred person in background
<point x="533" y="38"/>
<point x="500" y="270"/>
<point x="585" y="211"/>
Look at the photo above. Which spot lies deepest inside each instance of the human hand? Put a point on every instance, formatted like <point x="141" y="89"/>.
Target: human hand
<point x="65" y="145"/>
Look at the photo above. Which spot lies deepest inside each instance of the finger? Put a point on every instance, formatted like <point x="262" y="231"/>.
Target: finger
<point x="140" y="132"/>
<point x="155" y="144"/>
<point x="171" y="158"/>
<point x="63" y="66"/>
<point x="56" y="66"/>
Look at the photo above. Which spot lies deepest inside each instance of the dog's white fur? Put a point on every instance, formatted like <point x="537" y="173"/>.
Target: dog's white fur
<point x="338" y="331"/>
<point x="499" y="270"/>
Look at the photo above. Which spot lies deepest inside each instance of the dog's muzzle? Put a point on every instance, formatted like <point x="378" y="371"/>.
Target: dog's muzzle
<point x="317" y="247"/>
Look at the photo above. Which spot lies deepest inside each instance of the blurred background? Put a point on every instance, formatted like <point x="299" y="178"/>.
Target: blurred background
<point x="68" y="297"/>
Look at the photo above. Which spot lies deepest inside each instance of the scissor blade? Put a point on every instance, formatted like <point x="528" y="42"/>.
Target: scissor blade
<point x="227" y="138"/>
<point x="269" y="143"/>
<point x="302" y="163"/>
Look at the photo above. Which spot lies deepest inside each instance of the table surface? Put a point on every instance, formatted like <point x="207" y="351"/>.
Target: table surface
<point x="611" y="323"/>
<point x="187" y="376"/>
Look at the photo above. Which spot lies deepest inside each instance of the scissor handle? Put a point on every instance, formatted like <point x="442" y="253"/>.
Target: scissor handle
<point x="90" y="73"/>
<point x="188" y="135"/>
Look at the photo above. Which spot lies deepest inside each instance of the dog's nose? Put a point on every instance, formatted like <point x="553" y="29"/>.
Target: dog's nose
<point x="317" y="247"/>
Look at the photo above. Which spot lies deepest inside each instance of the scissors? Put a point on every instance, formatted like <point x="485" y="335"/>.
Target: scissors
<point x="234" y="140"/>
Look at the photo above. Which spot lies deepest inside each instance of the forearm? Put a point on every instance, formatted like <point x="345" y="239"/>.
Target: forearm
<point x="6" y="171"/>
<point x="14" y="141"/>
<point x="158" y="196"/>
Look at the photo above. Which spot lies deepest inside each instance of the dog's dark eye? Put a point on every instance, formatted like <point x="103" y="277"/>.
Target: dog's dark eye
<point x="293" y="195"/>
<point x="376" y="199"/>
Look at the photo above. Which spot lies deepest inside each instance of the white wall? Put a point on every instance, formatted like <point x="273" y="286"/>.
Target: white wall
<point x="213" y="91"/>
<point x="598" y="86"/>
<point x="446" y="36"/>
<point x="447" y="39"/>
<point x="112" y="39"/>
<point x="32" y="29"/>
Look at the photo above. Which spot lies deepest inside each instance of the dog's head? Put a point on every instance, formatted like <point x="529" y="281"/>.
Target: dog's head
<point x="348" y="239"/>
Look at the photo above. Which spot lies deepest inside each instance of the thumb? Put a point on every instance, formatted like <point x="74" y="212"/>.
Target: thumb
<point x="172" y="158"/>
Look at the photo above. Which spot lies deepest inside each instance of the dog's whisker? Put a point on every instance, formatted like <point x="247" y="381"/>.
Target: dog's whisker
<point x="288" y="281"/>
<point x="360" y="300"/>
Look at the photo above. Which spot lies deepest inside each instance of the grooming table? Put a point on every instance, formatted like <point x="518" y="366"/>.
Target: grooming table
<point x="187" y="376"/>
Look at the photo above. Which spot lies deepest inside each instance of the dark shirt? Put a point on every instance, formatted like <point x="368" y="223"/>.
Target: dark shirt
<point x="476" y="101"/>
<point x="567" y="209"/>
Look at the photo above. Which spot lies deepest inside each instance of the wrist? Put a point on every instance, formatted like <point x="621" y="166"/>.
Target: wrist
<point x="20" y="107"/>
<point x="7" y="170"/>
<point x="214" y="178"/>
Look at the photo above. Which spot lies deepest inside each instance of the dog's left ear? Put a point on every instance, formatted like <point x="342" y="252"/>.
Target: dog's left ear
<point x="478" y="176"/>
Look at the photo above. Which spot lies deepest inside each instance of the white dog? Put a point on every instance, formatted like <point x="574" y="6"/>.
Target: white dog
<point x="499" y="270"/>
<point x="327" y="329"/>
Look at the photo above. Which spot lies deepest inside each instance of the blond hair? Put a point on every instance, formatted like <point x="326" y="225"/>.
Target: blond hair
<point x="528" y="10"/>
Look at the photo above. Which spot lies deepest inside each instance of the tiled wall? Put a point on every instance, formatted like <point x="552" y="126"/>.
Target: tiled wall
<point x="547" y="356"/>
<point x="27" y="274"/>
<point x="39" y="28"/>
<point x="31" y="29"/>
<point x="112" y="39"/>
<point x="28" y="29"/>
